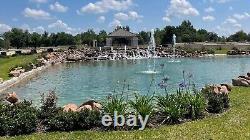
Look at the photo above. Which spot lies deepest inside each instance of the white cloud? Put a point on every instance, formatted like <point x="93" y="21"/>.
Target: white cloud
<point x="241" y="16"/>
<point x="38" y="29"/>
<point x="230" y="21"/>
<point x="39" y="1"/>
<point x="134" y="15"/>
<point x="36" y="14"/>
<point x="209" y="9"/>
<point x="222" y="1"/>
<point x="58" y="7"/>
<point x="179" y="8"/>
<point x="101" y="19"/>
<point x="208" y="18"/>
<point x="60" y="26"/>
<point x="103" y="6"/>
<point x="121" y="16"/>
<point x="115" y="23"/>
<point x="237" y="25"/>
<point x="4" y="28"/>
<point x="25" y="27"/>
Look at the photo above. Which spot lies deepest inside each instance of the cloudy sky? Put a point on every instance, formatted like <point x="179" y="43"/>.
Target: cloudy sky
<point x="73" y="16"/>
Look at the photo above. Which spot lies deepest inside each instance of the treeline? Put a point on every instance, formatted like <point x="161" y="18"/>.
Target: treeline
<point x="185" y="32"/>
<point x="19" y="38"/>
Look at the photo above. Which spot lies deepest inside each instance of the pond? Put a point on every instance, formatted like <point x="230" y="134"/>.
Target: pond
<point x="78" y="82"/>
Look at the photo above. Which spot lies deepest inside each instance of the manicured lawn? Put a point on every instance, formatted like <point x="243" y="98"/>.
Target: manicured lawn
<point x="7" y="63"/>
<point x="234" y="124"/>
<point x="222" y="51"/>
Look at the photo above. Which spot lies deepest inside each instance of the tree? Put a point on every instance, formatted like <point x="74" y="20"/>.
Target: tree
<point x="238" y="36"/>
<point x="168" y="34"/>
<point x="159" y="35"/>
<point x="143" y="38"/>
<point x="35" y="40"/>
<point x="202" y="35"/>
<point x="101" y="37"/>
<point x="45" y="40"/>
<point x="16" y="38"/>
<point x="88" y="37"/>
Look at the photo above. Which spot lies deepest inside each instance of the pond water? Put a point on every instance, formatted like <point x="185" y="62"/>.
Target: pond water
<point x="78" y="82"/>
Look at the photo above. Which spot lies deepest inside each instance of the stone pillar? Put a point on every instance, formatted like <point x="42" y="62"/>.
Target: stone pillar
<point x="109" y="42"/>
<point x="134" y="41"/>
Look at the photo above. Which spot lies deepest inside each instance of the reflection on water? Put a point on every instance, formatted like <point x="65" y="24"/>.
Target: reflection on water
<point x="77" y="82"/>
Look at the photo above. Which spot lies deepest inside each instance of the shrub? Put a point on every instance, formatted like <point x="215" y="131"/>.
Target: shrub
<point x="115" y="103"/>
<point x="63" y="121"/>
<point x="89" y="119"/>
<point x="197" y="105"/>
<point x="172" y="107"/>
<point x="143" y="105"/>
<point x="48" y="107"/>
<point x="71" y="121"/>
<point x="18" y="119"/>
<point x="216" y="103"/>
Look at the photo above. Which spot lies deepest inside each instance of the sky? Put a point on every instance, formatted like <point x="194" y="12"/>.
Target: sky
<point x="74" y="16"/>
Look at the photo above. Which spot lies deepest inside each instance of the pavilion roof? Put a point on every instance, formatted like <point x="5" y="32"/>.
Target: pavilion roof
<point x="122" y="33"/>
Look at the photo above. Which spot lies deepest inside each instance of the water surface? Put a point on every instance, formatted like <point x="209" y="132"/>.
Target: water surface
<point x="78" y="82"/>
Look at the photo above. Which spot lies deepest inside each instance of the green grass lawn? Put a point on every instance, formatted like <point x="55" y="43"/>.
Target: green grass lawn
<point x="234" y="124"/>
<point x="7" y="63"/>
<point x="222" y="51"/>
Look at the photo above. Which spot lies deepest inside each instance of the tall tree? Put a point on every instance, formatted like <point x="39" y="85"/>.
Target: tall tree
<point x="101" y="37"/>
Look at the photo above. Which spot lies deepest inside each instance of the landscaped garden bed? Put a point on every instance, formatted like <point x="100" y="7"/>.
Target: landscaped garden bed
<point x="166" y="109"/>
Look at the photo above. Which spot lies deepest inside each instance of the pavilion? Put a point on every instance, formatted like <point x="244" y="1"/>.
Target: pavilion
<point x="121" y="37"/>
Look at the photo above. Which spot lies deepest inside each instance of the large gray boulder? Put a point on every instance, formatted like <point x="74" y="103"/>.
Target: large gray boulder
<point x="241" y="82"/>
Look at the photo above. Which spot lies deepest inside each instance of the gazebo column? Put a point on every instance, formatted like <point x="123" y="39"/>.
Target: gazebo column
<point x="134" y="41"/>
<point x="109" y="42"/>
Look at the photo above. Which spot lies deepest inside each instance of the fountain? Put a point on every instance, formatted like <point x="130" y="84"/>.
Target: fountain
<point x="151" y="54"/>
<point x="174" y="53"/>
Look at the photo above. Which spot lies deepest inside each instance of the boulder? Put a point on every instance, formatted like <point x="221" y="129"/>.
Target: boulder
<point x="94" y="105"/>
<point x="17" y="72"/>
<point x="12" y="98"/>
<point x="70" y="107"/>
<point x="245" y="77"/>
<point x="229" y="87"/>
<point x="248" y="74"/>
<point x="224" y="90"/>
<point x="216" y="89"/>
<point x="84" y="107"/>
<point x="97" y="106"/>
<point x="240" y="82"/>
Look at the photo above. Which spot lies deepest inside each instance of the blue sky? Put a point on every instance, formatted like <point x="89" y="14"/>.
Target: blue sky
<point x="73" y="16"/>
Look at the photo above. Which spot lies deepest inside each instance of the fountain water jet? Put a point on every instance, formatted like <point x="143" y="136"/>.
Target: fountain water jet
<point x="151" y="54"/>
<point x="174" y="54"/>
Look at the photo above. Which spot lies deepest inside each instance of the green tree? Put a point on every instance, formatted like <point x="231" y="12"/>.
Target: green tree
<point x="168" y="34"/>
<point x="35" y="40"/>
<point x="16" y="37"/>
<point x="238" y="36"/>
<point x="143" y="38"/>
<point x="88" y="37"/>
<point x="101" y="37"/>
<point x="159" y="35"/>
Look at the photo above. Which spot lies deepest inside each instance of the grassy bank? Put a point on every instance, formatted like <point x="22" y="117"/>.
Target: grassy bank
<point x="222" y="51"/>
<point x="7" y="63"/>
<point x="234" y="124"/>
